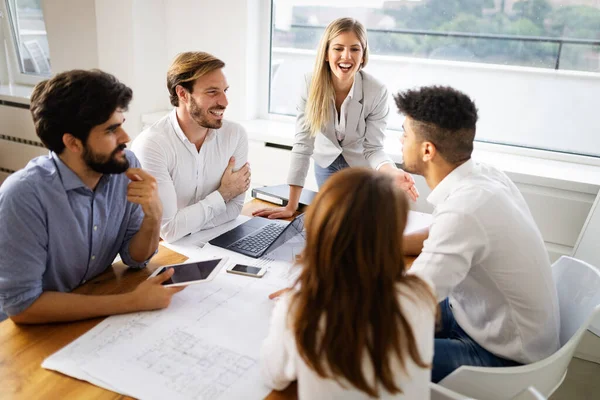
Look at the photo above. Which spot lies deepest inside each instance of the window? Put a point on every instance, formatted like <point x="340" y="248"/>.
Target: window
<point x="26" y="41"/>
<point x="530" y="65"/>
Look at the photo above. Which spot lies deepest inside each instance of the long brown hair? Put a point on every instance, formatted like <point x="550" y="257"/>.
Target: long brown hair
<point x="318" y="107"/>
<point x="346" y="301"/>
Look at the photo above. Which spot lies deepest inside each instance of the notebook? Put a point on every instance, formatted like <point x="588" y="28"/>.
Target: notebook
<point x="280" y="195"/>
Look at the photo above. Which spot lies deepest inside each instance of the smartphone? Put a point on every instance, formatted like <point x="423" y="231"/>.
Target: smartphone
<point x="247" y="270"/>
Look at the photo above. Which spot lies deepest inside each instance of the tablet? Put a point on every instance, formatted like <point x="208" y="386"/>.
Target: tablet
<point x="191" y="272"/>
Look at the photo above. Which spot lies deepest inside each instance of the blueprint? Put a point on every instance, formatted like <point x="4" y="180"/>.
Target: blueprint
<point x="205" y="345"/>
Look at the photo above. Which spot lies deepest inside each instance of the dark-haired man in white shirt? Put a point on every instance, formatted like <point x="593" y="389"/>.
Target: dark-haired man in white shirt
<point x="483" y="251"/>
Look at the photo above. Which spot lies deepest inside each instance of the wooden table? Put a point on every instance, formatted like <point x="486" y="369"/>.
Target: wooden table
<point x="24" y="347"/>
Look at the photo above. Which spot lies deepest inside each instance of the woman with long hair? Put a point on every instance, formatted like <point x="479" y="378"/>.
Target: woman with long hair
<point x="342" y="116"/>
<point x="355" y="324"/>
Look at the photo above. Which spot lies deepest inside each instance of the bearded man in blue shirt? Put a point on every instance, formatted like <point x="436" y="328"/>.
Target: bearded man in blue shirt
<point x="66" y="216"/>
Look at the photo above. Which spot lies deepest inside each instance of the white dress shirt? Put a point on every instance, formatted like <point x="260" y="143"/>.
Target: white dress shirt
<point x="281" y="363"/>
<point x="188" y="179"/>
<point x="339" y="120"/>
<point x="486" y="254"/>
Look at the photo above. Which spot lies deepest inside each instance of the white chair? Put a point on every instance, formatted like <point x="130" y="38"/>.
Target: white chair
<point x="438" y="392"/>
<point x="577" y="285"/>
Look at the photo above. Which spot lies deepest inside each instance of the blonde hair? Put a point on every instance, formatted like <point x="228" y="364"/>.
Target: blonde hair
<point x="320" y="92"/>
<point x="186" y="68"/>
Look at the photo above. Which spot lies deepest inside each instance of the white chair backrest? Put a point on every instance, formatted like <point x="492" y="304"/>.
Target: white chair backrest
<point x="578" y="287"/>
<point x="530" y="393"/>
<point x="441" y="393"/>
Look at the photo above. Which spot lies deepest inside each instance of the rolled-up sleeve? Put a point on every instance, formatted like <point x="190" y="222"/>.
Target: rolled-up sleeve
<point x="23" y="247"/>
<point x="304" y="143"/>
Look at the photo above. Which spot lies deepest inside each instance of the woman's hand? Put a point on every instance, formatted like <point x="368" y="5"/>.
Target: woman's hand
<point x="406" y="182"/>
<point x="279" y="293"/>
<point x="403" y="179"/>
<point x="275" y="212"/>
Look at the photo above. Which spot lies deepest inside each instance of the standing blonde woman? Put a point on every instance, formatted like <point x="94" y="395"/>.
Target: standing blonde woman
<point x="342" y="116"/>
<point x="355" y="325"/>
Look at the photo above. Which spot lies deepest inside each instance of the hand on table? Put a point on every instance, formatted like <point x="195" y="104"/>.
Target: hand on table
<point x="275" y="212"/>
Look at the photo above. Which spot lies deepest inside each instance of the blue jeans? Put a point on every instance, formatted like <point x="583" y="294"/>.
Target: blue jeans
<point x="322" y="174"/>
<point x="453" y="348"/>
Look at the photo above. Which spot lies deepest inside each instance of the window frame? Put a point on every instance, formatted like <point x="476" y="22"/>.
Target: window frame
<point x="264" y="110"/>
<point x="13" y="64"/>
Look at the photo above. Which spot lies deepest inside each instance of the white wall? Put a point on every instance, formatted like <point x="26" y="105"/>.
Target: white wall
<point x="72" y="34"/>
<point x="126" y="38"/>
<point x="131" y="38"/>
<point x="229" y="30"/>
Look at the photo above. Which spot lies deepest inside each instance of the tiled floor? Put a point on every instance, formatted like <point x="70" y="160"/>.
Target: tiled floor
<point x="582" y="382"/>
<point x="583" y="377"/>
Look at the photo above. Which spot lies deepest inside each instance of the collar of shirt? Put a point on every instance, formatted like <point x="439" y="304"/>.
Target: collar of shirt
<point x="179" y="131"/>
<point x="447" y="185"/>
<point x="69" y="179"/>
<point x="351" y="94"/>
<point x="177" y="127"/>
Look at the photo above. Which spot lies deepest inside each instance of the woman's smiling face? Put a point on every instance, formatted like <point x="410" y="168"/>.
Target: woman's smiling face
<point x="345" y="55"/>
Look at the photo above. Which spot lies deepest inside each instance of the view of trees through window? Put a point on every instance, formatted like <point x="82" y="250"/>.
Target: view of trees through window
<point x="557" y="34"/>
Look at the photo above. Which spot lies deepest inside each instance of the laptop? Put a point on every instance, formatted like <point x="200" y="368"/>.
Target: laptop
<point x="259" y="236"/>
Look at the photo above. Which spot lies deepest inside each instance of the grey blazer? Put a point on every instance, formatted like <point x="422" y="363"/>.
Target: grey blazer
<point x="363" y="144"/>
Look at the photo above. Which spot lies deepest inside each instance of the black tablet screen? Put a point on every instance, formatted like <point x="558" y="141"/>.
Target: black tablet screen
<point x="196" y="271"/>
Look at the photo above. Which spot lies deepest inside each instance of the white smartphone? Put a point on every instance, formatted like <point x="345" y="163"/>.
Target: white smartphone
<point x="256" y="272"/>
<point x="191" y="272"/>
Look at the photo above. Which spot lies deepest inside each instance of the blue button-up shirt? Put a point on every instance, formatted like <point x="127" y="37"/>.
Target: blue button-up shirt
<point x="56" y="233"/>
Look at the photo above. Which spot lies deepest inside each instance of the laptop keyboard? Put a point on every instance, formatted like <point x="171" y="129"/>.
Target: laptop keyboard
<point x="259" y="241"/>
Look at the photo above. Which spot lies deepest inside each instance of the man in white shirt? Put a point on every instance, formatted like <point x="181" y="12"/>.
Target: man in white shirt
<point x="197" y="158"/>
<point x="483" y="251"/>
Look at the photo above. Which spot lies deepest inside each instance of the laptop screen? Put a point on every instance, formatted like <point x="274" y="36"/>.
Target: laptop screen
<point x="296" y="227"/>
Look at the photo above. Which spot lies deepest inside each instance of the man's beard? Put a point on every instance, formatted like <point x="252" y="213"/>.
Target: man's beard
<point x="201" y="117"/>
<point x="103" y="164"/>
